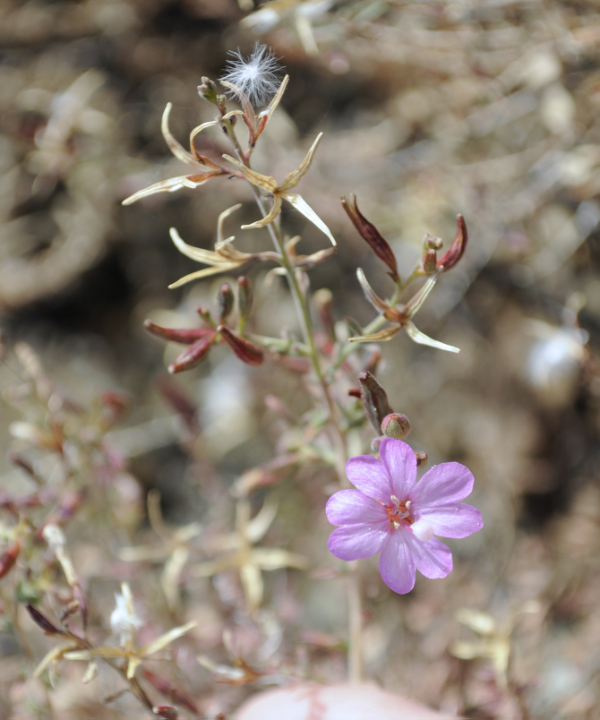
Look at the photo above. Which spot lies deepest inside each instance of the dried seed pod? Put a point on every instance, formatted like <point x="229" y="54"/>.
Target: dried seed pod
<point x="193" y="355"/>
<point x="369" y="233"/>
<point x="9" y="558"/>
<point x="456" y="250"/>
<point x="42" y="621"/>
<point x="247" y="351"/>
<point x="374" y="400"/>
<point x="183" y="336"/>
<point x="170" y="691"/>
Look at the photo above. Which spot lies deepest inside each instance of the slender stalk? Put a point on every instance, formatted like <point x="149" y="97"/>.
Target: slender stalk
<point x="339" y="439"/>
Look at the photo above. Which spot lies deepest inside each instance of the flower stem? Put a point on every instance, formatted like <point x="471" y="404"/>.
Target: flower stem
<point x="339" y="439"/>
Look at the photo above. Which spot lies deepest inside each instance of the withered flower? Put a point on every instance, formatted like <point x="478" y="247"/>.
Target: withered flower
<point x="401" y="316"/>
<point x="250" y="561"/>
<point x="222" y="259"/>
<point x="282" y="192"/>
<point x="174" y="549"/>
<point x="205" y="169"/>
<point x="125" y="623"/>
<point x="493" y="642"/>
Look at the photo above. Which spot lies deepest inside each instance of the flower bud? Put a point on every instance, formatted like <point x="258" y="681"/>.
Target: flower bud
<point x="371" y="235"/>
<point x="208" y="90"/>
<point x="225" y="300"/>
<point x="429" y="262"/>
<point x="395" y="426"/>
<point x="193" y="355"/>
<point x="246" y="351"/>
<point x="244" y="299"/>
<point x="374" y="400"/>
<point x="456" y="250"/>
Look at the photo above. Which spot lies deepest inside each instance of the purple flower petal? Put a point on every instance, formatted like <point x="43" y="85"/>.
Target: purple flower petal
<point x="401" y="464"/>
<point x="354" y="542"/>
<point x="452" y="521"/>
<point x="444" y="484"/>
<point x="432" y="558"/>
<point x="351" y="507"/>
<point x="370" y="476"/>
<point x="396" y="563"/>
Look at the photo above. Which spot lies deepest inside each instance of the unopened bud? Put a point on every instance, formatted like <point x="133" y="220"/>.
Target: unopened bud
<point x="204" y="313"/>
<point x="375" y="443"/>
<point x="429" y="261"/>
<point x="193" y="355"/>
<point x="395" y="426"/>
<point x="456" y="250"/>
<point x="374" y="400"/>
<point x="208" y="90"/>
<point x="244" y="299"/>
<point x="421" y="458"/>
<point x="225" y="300"/>
<point x="246" y="351"/>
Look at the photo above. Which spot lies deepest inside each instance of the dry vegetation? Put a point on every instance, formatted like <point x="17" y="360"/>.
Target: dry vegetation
<point x="490" y="109"/>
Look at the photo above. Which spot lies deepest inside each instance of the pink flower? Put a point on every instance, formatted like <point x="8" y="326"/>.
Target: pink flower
<point x="393" y="513"/>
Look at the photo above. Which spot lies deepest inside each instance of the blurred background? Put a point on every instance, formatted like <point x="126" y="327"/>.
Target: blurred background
<point x="488" y="108"/>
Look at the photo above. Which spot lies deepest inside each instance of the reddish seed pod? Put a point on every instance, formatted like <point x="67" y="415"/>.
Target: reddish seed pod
<point x="459" y="244"/>
<point x="371" y="235"/>
<point x="247" y="351"/>
<point x="170" y="691"/>
<point x="374" y="399"/>
<point x="193" y="355"/>
<point x="9" y="558"/>
<point x="168" y="712"/>
<point x="42" y="621"/>
<point x="183" y="336"/>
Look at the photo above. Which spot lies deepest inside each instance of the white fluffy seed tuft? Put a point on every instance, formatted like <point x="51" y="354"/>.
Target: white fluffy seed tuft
<point x="256" y="76"/>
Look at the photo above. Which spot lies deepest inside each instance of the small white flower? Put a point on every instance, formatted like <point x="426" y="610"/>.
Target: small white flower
<point x="123" y="620"/>
<point x="256" y="76"/>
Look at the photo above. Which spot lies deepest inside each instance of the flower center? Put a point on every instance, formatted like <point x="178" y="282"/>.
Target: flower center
<point x="399" y="513"/>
